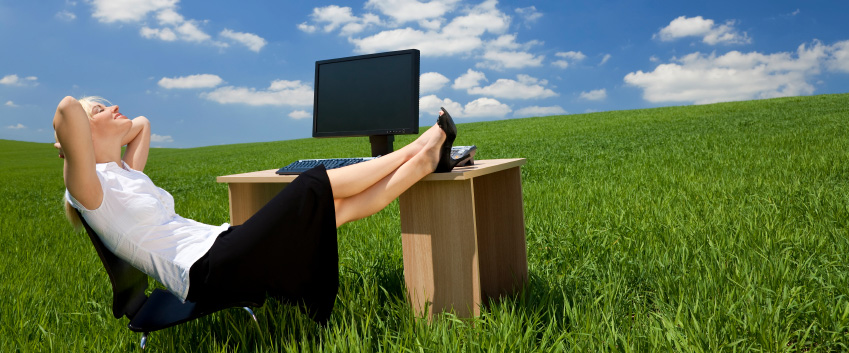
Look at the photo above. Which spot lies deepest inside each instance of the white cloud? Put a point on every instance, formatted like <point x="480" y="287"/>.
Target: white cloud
<point x="698" y="26"/>
<point x="462" y="35"/>
<point x="432" y="82"/>
<point x="10" y="104"/>
<point x="169" y="17"/>
<point x="403" y="11"/>
<point x="362" y="24"/>
<point x="282" y="85"/>
<point x="540" y="111"/>
<point x="66" y="15"/>
<point x="529" y="14"/>
<point x="561" y="64"/>
<point x="165" y="34"/>
<point x="250" y="40"/>
<point x="279" y="93"/>
<point x="499" y="60"/>
<point x="307" y="28"/>
<point x="333" y="16"/>
<point x="726" y="34"/>
<point x="839" y="60"/>
<point x="604" y="59"/>
<point x="172" y="26"/>
<point x="109" y="11"/>
<point x="505" y="41"/>
<point x="436" y="27"/>
<point x="330" y="18"/>
<point x="190" y="32"/>
<point x="14" y="80"/>
<point x="594" y="95"/>
<point x="176" y="28"/>
<point x="483" y="18"/>
<point x="429" y="43"/>
<point x="486" y="108"/>
<point x="685" y="27"/>
<point x="429" y="106"/>
<point x="161" y="138"/>
<point x="505" y="53"/>
<point x="192" y="81"/>
<point x="300" y="114"/>
<point x="526" y="87"/>
<point x="16" y="127"/>
<point x="469" y="80"/>
<point x="700" y="78"/>
<point x="574" y="56"/>
<point x="568" y="58"/>
<point x="431" y="25"/>
<point x="479" y="108"/>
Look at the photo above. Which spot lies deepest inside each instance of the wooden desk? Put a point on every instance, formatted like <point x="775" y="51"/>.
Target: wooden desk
<point x="463" y="232"/>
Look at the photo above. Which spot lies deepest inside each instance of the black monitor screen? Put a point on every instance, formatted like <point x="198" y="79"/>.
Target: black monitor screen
<point x="367" y="95"/>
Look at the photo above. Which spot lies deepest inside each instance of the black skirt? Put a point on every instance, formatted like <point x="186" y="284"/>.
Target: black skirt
<point x="287" y="250"/>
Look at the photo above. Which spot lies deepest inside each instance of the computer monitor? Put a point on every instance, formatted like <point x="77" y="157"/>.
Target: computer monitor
<point x="375" y="95"/>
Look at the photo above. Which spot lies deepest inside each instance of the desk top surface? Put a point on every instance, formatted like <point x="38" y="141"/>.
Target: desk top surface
<point x="481" y="167"/>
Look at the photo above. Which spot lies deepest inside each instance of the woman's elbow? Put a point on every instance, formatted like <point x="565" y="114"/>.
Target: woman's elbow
<point x="61" y="111"/>
<point x="143" y="123"/>
<point x="141" y="120"/>
<point x="66" y="103"/>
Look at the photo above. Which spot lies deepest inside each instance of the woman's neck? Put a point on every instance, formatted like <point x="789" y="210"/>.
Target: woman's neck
<point x="106" y="152"/>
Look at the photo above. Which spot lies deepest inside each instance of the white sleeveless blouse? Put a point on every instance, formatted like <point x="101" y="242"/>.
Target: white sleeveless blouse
<point x="136" y="221"/>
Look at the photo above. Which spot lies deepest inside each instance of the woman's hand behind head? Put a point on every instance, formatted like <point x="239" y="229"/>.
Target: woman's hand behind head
<point x="59" y="147"/>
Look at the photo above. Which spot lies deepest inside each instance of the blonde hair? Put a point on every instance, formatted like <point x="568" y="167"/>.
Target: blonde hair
<point x="73" y="216"/>
<point x="87" y="103"/>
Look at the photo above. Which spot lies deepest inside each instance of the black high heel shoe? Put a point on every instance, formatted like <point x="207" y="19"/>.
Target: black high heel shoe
<point x="446" y="163"/>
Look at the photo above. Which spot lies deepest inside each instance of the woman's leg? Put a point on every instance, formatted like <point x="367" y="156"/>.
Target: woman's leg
<point x="354" y="179"/>
<point x="380" y="190"/>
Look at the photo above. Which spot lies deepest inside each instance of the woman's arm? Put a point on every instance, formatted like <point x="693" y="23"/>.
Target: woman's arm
<point x="73" y="134"/>
<point x="138" y="144"/>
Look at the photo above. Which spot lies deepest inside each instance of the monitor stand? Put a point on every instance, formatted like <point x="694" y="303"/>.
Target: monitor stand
<point x="381" y="145"/>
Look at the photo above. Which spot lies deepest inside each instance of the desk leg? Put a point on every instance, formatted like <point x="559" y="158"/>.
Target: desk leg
<point x="502" y="248"/>
<point x="440" y="248"/>
<point x="247" y="198"/>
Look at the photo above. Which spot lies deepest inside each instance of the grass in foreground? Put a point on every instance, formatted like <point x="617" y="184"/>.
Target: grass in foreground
<point x="698" y="229"/>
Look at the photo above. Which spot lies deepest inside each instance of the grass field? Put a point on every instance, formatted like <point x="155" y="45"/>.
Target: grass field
<point x="708" y="228"/>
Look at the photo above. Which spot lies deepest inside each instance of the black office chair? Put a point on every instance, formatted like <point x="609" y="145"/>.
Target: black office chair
<point x="161" y="309"/>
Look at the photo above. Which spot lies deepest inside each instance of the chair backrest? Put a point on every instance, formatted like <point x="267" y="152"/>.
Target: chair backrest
<point x="128" y="283"/>
<point x="147" y="314"/>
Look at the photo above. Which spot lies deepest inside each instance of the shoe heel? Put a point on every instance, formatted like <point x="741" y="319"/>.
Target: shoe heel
<point x="446" y="123"/>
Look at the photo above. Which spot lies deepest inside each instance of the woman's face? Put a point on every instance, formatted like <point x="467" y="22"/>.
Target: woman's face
<point x="108" y="121"/>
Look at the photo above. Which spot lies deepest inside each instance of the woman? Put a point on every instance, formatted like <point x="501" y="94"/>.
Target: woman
<point x="286" y="250"/>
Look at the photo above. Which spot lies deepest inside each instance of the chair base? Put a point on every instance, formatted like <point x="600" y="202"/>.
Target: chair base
<point x="146" y="334"/>
<point x="161" y="309"/>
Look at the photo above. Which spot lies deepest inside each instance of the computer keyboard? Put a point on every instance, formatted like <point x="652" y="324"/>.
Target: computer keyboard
<point x="304" y="165"/>
<point x="466" y="155"/>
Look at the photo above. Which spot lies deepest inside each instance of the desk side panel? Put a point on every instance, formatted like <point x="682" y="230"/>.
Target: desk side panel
<point x="247" y="198"/>
<point x="440" y="248"/>
<point x="502" y="247"/>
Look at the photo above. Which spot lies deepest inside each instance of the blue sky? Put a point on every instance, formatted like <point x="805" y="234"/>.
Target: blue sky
<point x="221" y="72"/>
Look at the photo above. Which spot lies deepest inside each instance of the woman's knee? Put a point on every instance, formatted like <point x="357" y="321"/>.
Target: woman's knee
<point x="338" y="205"/>
<point x="345" y="211"/>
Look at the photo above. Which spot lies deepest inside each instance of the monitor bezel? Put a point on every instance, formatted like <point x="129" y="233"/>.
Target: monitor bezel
<point x="411" y="122"/>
